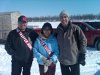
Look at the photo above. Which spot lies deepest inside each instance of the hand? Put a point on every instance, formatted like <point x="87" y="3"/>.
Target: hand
<point x="81" y="59"/>
<point x="46" y="61"/>
<point x="45" y="68"/>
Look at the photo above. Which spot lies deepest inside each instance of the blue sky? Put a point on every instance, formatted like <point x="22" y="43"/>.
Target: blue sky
<point x="50" y="7"/>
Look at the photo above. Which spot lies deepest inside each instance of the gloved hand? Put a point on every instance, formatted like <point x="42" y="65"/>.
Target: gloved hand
<point x="45" y="68"/>
<point x="81" y="59"/>
<point x="46" y="61"/>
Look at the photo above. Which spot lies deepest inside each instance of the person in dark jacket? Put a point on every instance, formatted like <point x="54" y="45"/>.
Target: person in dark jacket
<point x="72" y="43"/>
<point x="18" y="45"/>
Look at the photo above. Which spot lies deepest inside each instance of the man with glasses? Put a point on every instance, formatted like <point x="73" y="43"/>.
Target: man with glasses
<point x="18" y="45"/>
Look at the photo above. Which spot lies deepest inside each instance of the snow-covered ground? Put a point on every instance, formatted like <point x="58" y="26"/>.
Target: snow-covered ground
<point x="91" y="68"/>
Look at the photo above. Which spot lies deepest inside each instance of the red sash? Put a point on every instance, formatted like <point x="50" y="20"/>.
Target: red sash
<point x="24" y="39"/>
<point x="46" y="47"/>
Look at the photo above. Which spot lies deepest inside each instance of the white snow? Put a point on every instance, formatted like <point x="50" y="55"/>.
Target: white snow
<point x="91" y="68"/>
<point x="40" y="24"/>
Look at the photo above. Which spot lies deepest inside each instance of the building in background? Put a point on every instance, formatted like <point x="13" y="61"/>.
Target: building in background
<point x="8" y="22"/>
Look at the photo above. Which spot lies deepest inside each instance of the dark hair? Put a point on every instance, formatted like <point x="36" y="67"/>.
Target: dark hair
<point x="22" y="18"/>
<point x="46" y="25"/>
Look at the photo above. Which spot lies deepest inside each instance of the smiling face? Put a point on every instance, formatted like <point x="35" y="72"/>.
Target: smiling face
<point x="22" y="23"/>
<point x="22" y="26"/>
<point x="46" y="32"/>
<point x="64" y="20"/>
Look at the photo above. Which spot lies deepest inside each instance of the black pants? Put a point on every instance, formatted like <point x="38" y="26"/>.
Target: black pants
<point x="51" y="70"/>
<point x="21" y="66"/>
<point x="70" y="69"/>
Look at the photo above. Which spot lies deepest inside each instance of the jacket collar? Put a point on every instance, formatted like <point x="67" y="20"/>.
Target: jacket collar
<point x="41" y="36"/>
<point x="64" y="28"/>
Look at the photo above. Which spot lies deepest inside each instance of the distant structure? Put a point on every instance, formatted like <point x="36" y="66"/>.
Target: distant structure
<point x="8" y="21"/>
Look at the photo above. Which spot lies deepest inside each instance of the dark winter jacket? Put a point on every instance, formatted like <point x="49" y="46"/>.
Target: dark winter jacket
<point x="16" y="47"/>
<point x="67" y="43"/>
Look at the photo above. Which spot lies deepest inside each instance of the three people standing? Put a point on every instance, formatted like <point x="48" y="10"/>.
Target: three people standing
<point x="69" y="38"/>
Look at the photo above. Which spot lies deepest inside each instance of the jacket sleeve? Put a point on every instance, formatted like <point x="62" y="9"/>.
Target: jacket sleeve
<point x="83" y="41"/>
<point x="36" y="52"/>
<point x="8" y="45"/>
<point x="33" y="35"/>
<point x="56" y="52"/>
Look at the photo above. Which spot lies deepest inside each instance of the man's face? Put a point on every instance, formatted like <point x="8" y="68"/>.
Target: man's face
<point x="64" y="20"/>
<point x="22" y="25"/>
